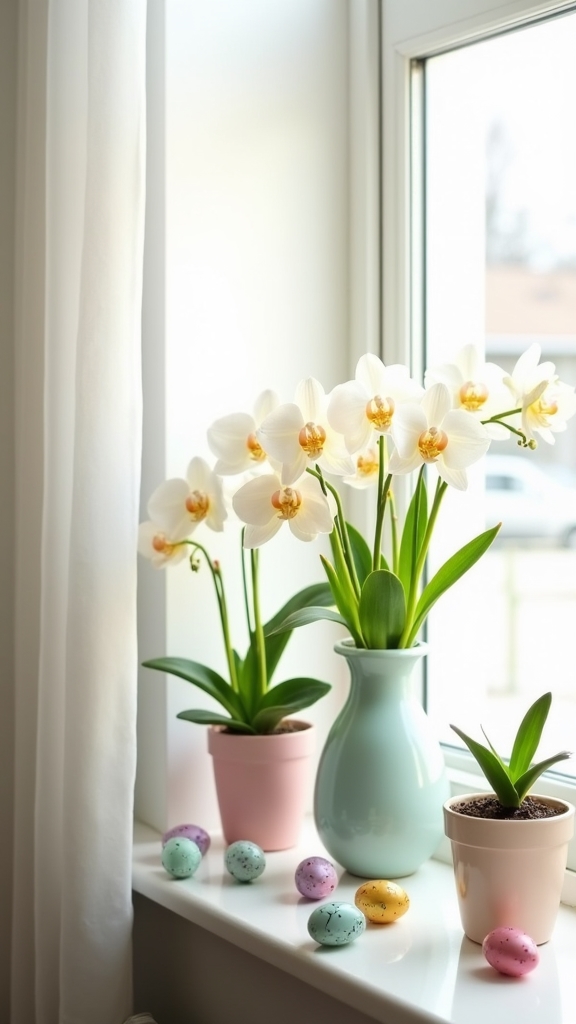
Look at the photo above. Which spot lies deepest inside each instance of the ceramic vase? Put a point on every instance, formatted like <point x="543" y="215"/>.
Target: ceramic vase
<point x="381" y="781"/>
<point x="262" y="784"/>
<point x="509" y="873"/>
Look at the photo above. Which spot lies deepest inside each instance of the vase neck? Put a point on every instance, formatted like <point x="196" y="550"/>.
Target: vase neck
<point x="381" y="676"/>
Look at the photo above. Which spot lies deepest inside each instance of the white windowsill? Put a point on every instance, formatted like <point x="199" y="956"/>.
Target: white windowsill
<point x="418" y="971"/>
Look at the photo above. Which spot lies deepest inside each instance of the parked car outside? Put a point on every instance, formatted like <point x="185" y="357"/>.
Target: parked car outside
<point x="528" y="501"/>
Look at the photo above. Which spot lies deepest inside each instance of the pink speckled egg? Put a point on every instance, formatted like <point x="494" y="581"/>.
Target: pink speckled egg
<point x="315" y="878"/>
<point x="194" y="832"/>
<point x="511" y="951"/>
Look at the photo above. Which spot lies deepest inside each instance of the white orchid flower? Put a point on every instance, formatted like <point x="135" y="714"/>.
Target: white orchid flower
<point x="232" y="439"/>
<point x="155" y="545"/>
<point x="433" y="432"/>
<point x="298" y="435"/>
<point x="179" y="506"/>
<point x="475" y="386"/>
<point x="367" y="464"/>
<point x="265" y="503"/>
<point x="546" y="402"/>
<point x="365" y="407"/>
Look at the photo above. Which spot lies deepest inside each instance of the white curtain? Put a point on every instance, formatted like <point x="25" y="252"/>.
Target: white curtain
<point x="79" y="251"/>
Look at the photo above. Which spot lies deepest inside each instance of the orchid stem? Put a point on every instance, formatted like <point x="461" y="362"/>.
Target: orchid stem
<point x="258" y="628"/>
<point x="218" y="581"/>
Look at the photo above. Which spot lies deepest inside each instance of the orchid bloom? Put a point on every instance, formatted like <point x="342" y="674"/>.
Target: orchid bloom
<point x="179" y="506"/>
<point x="545" y="401"/>
<point x="232" y="439"/>
<point x="475" y="386"/>
<point x="299" y="435"/>
<point x="433" y="432"/>
<point x="367" y="464"/>
<point x="366" y="406"/>
<point x="264" y="503"/>
<point x="160" y="549"/>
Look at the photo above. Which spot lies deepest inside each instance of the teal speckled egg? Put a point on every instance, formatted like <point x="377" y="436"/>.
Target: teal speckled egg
<point x="244" y="860"/>
<point x="336" y="924"/>
<point x="181" y="857"/>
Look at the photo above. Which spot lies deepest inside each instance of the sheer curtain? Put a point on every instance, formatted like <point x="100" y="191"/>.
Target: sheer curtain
<point x="79" y="247"/>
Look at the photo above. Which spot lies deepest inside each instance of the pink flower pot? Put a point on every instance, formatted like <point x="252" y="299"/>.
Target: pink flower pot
<point x="262" y="784"/>
<point x="509" y="872"/>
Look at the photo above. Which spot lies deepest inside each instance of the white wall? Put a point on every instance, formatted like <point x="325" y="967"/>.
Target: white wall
<point x="256" y="245"/>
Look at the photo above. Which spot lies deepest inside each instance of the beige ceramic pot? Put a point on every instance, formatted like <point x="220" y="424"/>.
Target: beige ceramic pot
<point x="509" y="872"/>
<point x="263" y="784"/>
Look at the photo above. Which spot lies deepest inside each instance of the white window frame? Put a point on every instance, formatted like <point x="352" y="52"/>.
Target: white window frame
<point x="411" y="31"/>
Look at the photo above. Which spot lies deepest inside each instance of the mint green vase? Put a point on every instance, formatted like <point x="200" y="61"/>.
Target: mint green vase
<point x="381" y="780"/>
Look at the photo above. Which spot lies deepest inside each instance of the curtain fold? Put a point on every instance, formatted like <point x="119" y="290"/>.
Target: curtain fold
<point x="80" y="225"/>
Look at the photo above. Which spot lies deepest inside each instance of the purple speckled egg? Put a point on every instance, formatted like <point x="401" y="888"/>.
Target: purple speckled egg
<point x="194" y="832"/>
<point x="511" y="951"/>
<point x="315" y="878"/>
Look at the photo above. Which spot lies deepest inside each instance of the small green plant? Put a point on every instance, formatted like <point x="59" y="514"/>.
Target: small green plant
<point x="511" y="782"/>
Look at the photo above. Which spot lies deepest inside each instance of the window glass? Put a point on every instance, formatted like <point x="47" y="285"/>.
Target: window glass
<point x="500" y="157"/>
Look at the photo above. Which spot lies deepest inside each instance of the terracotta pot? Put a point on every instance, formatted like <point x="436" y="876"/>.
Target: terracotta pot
<point x="509" y="872"/>
<point x="262" y="784"/>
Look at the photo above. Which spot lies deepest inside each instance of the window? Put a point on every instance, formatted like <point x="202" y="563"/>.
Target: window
<point x="500" y="158"/>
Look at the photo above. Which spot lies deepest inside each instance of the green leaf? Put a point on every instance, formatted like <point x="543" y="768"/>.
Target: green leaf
<point x="413" y="533"/>
<point x="528" y="736"/>
<point x="360" y="552"/>
<point x="209" y="718"/>
<point x="345" y="600"/>
<point x="526" y="781"/>
<point x="493" y="769"/>
<point x="201" y="676"/>
<point x="382" y="610"/>
<point x="448" y="574"/>
<point x="307" y="615"/>
<point x="287" y="698"/>
<point x="319" y="594"/>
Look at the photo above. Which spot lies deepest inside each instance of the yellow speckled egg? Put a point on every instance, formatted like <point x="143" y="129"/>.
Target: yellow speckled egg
<point x="381" y="901"/>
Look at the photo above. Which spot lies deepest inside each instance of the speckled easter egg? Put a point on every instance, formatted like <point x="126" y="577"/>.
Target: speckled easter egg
<point x="194" y="832"/>
<point x="245" y="861"/>
<point x="336" y="924"/>
<point x="381" y="901"/>
<point x="315" y="878"/>
<point x="511" y="951"/>
<point x="181" y="857"/>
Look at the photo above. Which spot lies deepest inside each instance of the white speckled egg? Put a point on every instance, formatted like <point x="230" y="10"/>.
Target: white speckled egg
<point x="181" y="857"/>
<point x="336" y="924"/>
<point x="315" y="878"/>
<point x="244" y="860"/>
<point x="194" y="832"/>
<point x="510" y="951"/>
<point x="381" y="901"/>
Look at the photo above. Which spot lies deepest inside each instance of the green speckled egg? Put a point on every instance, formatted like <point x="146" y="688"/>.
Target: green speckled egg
<point x="181" y="857"/>
<point x="336" y="924"/>
<point x="244" y="860"/>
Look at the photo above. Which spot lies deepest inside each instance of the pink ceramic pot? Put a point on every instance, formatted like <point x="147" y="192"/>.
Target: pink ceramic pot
<point x="509" y="872"/>
<point x="262" y="783"/>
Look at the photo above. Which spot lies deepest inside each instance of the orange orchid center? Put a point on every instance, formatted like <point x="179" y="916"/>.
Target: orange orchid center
<point x="197" y="505"/>
<point x="367" y="464"/>
<point x="287" y="501"/>
<point x="161" y="545"/>
<point x="380" y="412"/>
<point x="312" y="439"/>
<point x="473" y="396"/>
<point x="544" y="408"/>
<point x="431" y="443"/>
<point x="255" y="449"/>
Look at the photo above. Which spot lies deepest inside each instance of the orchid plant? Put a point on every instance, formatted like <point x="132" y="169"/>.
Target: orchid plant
<point x="288" y="457"/>
<point x="512" y="781"/>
